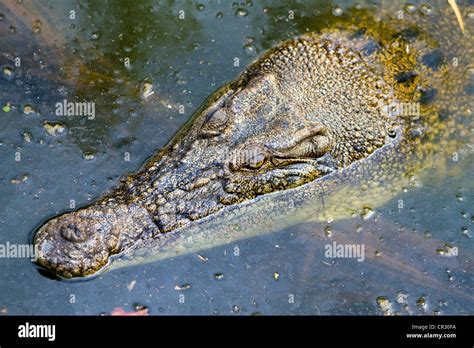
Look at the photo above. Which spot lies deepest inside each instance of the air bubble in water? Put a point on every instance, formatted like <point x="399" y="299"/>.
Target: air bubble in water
<point x="421" y="302"/>
<point x="37" y="24"/>
<point x="95" y="35"/>
<point x="27" y="136"/>
<point x="241" y="12"/>
<point x="7" y="71"/>
<point x="88" y="156"/>
<point x="28" y="109"/>
<point x="328" y="231"/>
<point x="384" y="305"/>
<point x="54" y="128"/>
<point x="218" y="276"/>
<point x="250" y="49"/>
<point x="426" y="9"/>
<point x="147" y="89"/>
<point x="410" y="8"/>
<point x="337" y="11"/>
<point x="367" y="212"/>
<point x="465" y="232"/>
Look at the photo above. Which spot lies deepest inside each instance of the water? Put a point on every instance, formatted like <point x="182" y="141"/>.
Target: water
<point x="179" y="53"/>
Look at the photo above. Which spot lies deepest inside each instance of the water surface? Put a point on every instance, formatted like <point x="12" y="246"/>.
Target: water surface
<point x="85" y="59"/>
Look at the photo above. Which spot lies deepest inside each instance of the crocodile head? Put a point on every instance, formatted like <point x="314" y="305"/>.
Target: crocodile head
<point x="305" y="109"/>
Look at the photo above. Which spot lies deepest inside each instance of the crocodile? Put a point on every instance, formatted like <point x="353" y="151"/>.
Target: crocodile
<point x="314" y="116"/>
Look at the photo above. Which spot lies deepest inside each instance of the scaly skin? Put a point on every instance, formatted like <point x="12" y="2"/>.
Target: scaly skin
<point x="308" y="117"/>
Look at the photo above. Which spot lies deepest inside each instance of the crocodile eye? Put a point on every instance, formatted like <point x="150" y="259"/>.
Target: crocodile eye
<point x="249" y="159"/>
<point x="216" y="122"/>
<point x="255" y="161"/>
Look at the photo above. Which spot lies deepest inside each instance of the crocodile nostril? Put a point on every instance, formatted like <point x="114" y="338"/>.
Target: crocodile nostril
<point x="72" y="233"/>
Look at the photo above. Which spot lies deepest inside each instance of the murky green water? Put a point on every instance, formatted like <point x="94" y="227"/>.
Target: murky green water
<point x="84" y="55"/>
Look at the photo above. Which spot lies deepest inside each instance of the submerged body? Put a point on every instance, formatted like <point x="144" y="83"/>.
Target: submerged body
<point x="309" y="124"/>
